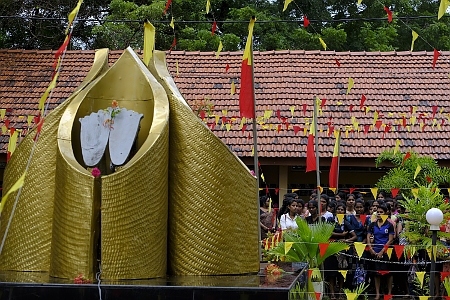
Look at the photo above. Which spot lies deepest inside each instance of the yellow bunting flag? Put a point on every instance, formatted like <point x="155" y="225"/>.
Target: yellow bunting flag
<point x="262" y="177"/>
<point x="172" y="23"/>
<point x="73" y="14"/>
<point x="266" y="244"/>
<point x="47" y="92"/>
<point x="286" y="3"/>
<point x="384" y="217"/>
<point x="430" y="253"/>
<point x="359" y="248"/>
<point x="12" y="142"/>
<point x="442" y="8"/>
<point x="414" y="38"/>
<point x="4" y="129"/>
<point x="340" y="218"/>
<point x="233" y="88"/>
<point x="343" y="273"/>
<point x="333" y="190"/>
<point x="224" y="112"/>
<point x="424" y="297"/>
<point x="208" y="6"/>
<point x="228" y="126"/>
<point x="29" y="120"/>
<point x="294" y="190"/>
<point x="178" y="69"/>
<point x="219" y="49"/>
<point x="350" y="295"/>
<point x="2" y="113"/>
<point x="397" y="146"/>
<point x="415" y="192"/>
<point x="287" y="247"/>
<point x="359" y="2"/>
<point x="270" y="205"/>
<point x="323" y="43"/>
<point x="420" y="276"/>
<point x="149" y="42"/>
<point x="15" y="187"/>
<point x="320" y="189"/>
<point x="292" y="109"/>
<point x="350" y="85"/>
<point x="389" y="252"/>
<point x="374" y="192"/>
<point x="417" y="171"/>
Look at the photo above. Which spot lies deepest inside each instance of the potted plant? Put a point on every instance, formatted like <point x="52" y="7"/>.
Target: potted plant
<point x="303" y="245"/>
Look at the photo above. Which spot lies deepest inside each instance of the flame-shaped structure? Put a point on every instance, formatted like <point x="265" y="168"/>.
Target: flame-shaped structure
<point x="169" y="204"/>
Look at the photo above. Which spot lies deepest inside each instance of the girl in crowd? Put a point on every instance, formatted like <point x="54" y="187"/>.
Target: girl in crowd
<point x="343" y="231"/>
<point x="350" y="209"/>
<point x="359" y="226"/>
<point x="383" y="235"/>
<point x="266" y="218"/>
<point x="324" y="199"/>
<point x="288" y="220"/>
<point x="314" y="217"/>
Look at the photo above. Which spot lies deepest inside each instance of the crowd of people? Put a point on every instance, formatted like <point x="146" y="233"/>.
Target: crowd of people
<point x="363" y="222"/>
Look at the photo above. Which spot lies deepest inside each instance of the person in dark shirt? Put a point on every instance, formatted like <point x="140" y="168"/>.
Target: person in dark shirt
<point x="383" y="236"/>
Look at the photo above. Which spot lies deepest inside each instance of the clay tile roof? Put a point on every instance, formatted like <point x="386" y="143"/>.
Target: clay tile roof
<point x="286" y="82"/>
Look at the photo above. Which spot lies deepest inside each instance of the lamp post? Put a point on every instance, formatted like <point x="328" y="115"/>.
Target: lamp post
<point x="434" y="218"/>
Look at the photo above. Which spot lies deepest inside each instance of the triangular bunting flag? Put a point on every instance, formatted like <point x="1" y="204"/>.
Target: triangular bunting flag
<point x="417" y="171"/>
<point x="287" y="246"/>
<point x="340" y="218"/>
<point x="424" y="297"/>
<point x="444" y="275"/>
<point x="383" y="272"/>
<point x="363" y="218"/>
<point x="420" y="276"/>
<point x="384" y="217"/>
<point x="359" y="248"/>
<point x="343" y="273"/>
<point x="389" y="252"/>
<point x="286" y="3"/>
<point x="323" y="248"/>
<point x="351" y="83"/>
<point x="15" y="187"/>
<point x="351" y="295"/>
<point x="397" y="146"/>
<point x="387" y="297"/>
<point x="318" y="294"/>
<point x="374" y="192"/>
<point x="415" y="192"/>
<point x="414" y="38"/>
<point x="394" y="192"/>
<point x="399" y="250"/>
<point x="333" y="190"/>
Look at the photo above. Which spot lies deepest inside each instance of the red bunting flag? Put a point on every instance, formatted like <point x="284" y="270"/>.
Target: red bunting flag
<point x="310" y="153"/>
<point x="322" y="102"/>
<point x="395" y="191"/>
<point x="318" y="294"/>
<point x="167" y="6"/>
<point x="363" y="99"/>
<point x="276" y="191"/>
<point x="7" y="123"/>
<point x="407" y="155"/>
<point x="213" y="28"/>
<point x="227" y="67"/>
<point x="174" y="43"/>
<point x="366" y="129"/>
<point x="337" y="62"/>
<point x="434" y="109"/>
<point x="404" y="121"/>
<point x="428" y="178"/>
<point x="247" y="93"/>
<point x="444" y="275"/>
<point x="323" y="248"/>
<point x="296" y="129"/>
<point x="351" y="190"/>
<point x="305" y="21"/>
<point x="436" y="54"/>
<point x="351" y="107"/>
<point x="363" y="218"/>
<point x="202" y="114"/>
<point x="378" y="124"/>
<point x="304" y="108"/>
<point x="278" y="114"/>
<point x="383" y="272"/>
<point x="398" y="250"/>
<point x="279" y="128"/>
<point x="387" y="297"/>
<point x="244" y="127"/>
<point x="389" y="14"/>
<point x="333" y="179"/>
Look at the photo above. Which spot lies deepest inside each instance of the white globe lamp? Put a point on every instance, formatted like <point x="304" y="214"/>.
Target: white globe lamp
<point x="434" y="218"/>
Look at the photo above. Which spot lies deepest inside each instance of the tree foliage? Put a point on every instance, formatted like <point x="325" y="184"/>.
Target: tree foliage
<point x="342" y="24"/>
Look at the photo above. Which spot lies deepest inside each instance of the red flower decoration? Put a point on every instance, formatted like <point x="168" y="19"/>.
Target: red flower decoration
<point x="96" y="172"/>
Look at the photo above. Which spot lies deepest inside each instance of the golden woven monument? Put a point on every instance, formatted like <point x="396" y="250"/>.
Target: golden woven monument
<point x="166" y="208"/>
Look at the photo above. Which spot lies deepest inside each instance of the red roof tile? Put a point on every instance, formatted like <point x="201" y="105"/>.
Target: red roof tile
<point x="391" y="81"/>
